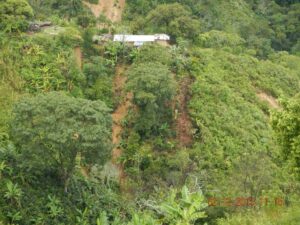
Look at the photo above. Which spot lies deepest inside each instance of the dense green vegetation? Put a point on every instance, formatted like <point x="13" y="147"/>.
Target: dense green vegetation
<point x="286" y="125"/>
<point x="229" y="82"/>
<point x="152" y="86"/>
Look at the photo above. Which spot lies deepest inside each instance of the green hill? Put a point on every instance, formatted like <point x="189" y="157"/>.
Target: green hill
<point x="201" y="130"/>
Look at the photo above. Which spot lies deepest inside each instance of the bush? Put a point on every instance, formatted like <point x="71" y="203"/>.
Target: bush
<point x="14" y="15"/>
<point x="153" y="87"/>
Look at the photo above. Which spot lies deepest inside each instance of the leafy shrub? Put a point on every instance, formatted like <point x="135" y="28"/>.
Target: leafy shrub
<point x="94" y="69"/>
<point x="153" y="53"/>
<point x="220" y="39"/>
<point x="14" y="15"/>
<point x="174" y="19"/>
<point x="102" y="90"/>
<point x="286" y="126"/>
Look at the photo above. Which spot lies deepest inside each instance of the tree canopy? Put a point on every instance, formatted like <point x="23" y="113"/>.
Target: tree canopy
<point x="14" y="15"/>
<point x="153" y="87"/>
<point x="60" y="128"/>
<point x="174" y="19"/>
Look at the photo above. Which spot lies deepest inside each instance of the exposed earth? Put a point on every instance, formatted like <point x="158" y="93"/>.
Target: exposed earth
<point x="272" y="102"/>
<point x="112" y="9"/>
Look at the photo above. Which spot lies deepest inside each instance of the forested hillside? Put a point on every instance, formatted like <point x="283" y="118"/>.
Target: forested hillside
<point x="201" y="129"/>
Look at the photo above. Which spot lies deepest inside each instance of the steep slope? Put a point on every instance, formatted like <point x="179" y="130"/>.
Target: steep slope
<point x="182" y="120"/>
<point x="118" y="115"/>
<point x="112" y="9"/>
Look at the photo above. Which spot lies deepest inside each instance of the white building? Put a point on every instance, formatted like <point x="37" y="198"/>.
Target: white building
<point x="139" y="40"/>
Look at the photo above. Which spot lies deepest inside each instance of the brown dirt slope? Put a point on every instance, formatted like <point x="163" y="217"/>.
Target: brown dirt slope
<point x="112" y="9"/>
<point x="183" y="122"/>
<point x="78" y="56"/>
<point x="118" y="115"/>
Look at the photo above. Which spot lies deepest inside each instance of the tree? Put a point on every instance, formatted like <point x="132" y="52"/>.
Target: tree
<point x="95" y="69"/>
<point x="85" y="20"/>
<point x="174" y="19"/>
<point x="68" y="7"/>
<point x="153" y="87"/>
<point x="53" y="129"/>
<point x="179" y="207"/>
<point x="286" y="124"/>
<point x="14" y="15"/>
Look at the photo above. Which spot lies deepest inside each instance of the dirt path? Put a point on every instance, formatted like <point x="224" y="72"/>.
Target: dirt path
<point x="183" y="122"/>
<point x="78" y="56"/>
<point x="269" y="99"/>
<point x="118" y="115"/>
<point x="112" y="9"/>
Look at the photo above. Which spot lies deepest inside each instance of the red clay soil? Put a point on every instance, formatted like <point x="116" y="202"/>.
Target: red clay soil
<point x="183" y="122"/>
<point x="112" y="9"/>
<point x="118" y="115"/>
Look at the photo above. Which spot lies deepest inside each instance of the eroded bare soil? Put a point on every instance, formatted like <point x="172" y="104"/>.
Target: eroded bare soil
<point x="272" y="102"/>
<point x="118" y="115"/>
<point x="184" y="128"/>
<point x="112" y="9"/>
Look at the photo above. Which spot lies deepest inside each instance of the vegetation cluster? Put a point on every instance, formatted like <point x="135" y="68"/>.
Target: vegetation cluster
<point x="228" y="82"/>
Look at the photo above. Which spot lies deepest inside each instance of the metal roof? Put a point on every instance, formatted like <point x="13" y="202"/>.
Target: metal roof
<point x="134" y="38"/>
<point x="140" y="38"/>
<point x="164" y="37"/>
